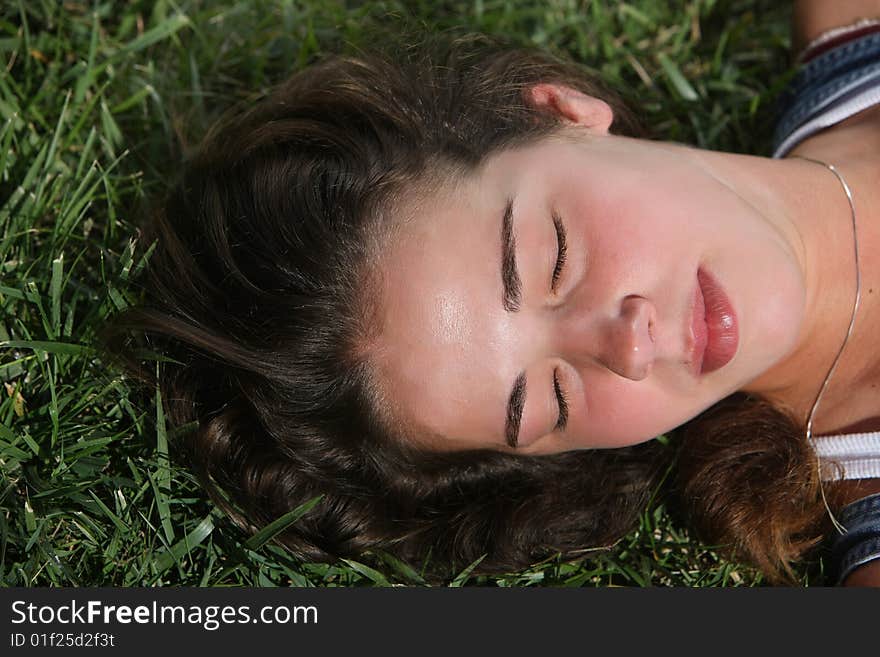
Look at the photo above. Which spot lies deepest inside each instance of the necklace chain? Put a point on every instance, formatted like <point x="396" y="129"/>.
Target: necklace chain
<point x="852" y="207"/>
<point x="852" y="321"/>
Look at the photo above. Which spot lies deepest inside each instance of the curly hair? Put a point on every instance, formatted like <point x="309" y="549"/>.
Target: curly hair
<point x="260" y="293"/>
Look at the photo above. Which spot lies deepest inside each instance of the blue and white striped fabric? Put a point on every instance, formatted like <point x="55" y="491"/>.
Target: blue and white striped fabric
<point x="828" y="89"/>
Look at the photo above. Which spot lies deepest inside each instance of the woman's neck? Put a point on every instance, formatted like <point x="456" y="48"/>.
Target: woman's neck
<point x="807" y="204"/>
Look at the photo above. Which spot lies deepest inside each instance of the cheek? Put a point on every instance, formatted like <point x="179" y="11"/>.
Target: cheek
<point x="621" y="413"/>
<point x="625" y="225"/>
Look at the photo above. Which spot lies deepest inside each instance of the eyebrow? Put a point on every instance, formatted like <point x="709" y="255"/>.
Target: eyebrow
<point x="515" y="409"/>
<point x="509" y="274"/>
<point x="511" y="299"/>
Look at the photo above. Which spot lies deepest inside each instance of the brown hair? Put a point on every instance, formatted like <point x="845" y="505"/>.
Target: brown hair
<point x="259" y="290"/>
<point x="746" y="479"/>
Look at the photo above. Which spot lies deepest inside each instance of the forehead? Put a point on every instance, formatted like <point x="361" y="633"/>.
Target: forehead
<point x="442" y="322"/>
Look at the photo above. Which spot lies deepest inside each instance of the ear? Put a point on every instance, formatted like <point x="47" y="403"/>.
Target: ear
<point x="571" y="105"/>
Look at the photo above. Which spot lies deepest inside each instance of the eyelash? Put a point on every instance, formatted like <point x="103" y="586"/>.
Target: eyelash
<point x="562" y="249"/>
<point x="563" y="402"/>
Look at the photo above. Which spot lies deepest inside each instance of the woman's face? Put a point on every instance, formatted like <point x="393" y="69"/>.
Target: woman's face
<point x="492" y="339"/>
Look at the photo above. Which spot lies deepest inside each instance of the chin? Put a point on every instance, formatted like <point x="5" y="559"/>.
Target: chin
<point x="777" y="318"/>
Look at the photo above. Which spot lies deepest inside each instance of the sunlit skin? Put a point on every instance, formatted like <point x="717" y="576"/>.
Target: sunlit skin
<point x="612" y="335"/>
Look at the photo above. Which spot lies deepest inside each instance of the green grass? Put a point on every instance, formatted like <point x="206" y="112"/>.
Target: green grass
<point x="99" y="100"/>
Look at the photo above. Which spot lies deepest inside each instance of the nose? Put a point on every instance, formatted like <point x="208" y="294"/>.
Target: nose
<point x="623" y="342"/>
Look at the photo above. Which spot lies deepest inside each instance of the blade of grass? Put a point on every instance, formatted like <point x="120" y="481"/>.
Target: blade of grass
<point x="403" y="569"/>
<point x="277" y="526"/>
<point x="370" y="573"/>
<point x="168" y="558"/>
<point x="55" y="292"/>
<point x="65" y="348"/>
<point x="116" y="520"/>
<point x="679" y="82"/>
<point x="162" y="476"/>
<point x="465" y="574"/>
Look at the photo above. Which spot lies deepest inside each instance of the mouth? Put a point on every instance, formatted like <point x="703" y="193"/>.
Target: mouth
<point x="714" y="326"/>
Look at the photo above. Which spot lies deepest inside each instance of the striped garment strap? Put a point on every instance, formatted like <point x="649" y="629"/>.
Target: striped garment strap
<point x="836" y="36"/>
<point x="858" y="454"/>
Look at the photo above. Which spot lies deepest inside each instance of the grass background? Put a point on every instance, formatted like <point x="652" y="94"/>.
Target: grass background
<point x="99" y="101"/>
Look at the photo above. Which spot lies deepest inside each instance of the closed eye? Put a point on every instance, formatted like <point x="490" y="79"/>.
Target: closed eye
<point x="562" y="402"/>
<point x="561" y="250"/>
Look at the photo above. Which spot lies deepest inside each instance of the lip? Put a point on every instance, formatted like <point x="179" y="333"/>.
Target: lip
<point x="699" y="330"/>
<point x="714" y="326"/>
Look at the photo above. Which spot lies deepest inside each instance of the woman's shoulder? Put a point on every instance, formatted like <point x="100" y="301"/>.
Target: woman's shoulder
<point x="854" y="140"/>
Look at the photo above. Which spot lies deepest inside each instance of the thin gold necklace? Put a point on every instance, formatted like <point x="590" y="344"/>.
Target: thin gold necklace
<point x="852" y="321"/>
